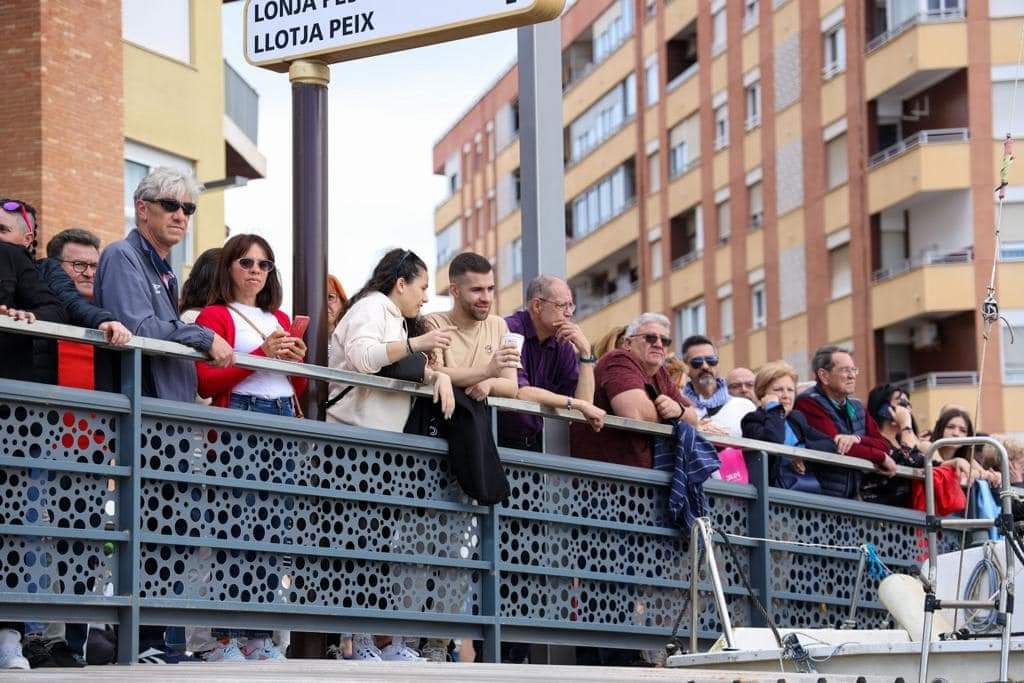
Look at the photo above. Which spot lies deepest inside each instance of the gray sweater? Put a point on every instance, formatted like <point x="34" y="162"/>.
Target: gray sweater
<point x="129" y="286"/>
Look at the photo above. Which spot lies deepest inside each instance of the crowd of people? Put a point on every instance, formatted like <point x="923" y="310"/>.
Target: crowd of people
<point x="231" y="304"/>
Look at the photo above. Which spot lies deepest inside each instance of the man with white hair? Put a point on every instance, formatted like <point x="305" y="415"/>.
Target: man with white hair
<point x="136" y="283"/>
<point x="632" y="382"/>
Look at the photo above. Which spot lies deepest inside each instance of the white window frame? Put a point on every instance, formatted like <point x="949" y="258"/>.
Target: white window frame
<point x="721" y="123"/>
<point x="652" y="91"/>
<point x="751" y="12"/>
<point x="752" y="95"/>
<point x="834" y="41"/>
<point x="691" y="319"/>
<point x="758" y="306"/>
<point x="719" y="30"/>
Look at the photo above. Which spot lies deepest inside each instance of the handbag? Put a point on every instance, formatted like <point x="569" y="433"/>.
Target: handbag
<point x="410" y="369"/>
<point x="296" y="404"/>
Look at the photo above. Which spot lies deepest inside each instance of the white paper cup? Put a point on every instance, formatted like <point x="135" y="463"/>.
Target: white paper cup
<point x="514" y="339"/>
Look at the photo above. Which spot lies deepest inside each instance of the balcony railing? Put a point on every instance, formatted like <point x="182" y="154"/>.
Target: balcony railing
<point x="125" y="509"/>
<point x="934" y="380"/>
<point x="1011" y="250"/>
<point x="241" y="102"/>
<point x="588" y="307"/>
<point x="924" y="137"/>
<point x="965" y="255"/>
<point x="687" y="259"/>
<point x="931" y="16"/>
<point x="687" y="73"/>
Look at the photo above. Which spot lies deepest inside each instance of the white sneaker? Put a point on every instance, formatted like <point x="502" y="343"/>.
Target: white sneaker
<point x="400" y="652"/>
<point x="364" y="650"/>
<point x="224" y="652"/>
<point x="10" y="651"/>
<point x="262" y="649"/>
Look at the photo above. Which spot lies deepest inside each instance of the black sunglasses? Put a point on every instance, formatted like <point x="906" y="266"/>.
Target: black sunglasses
<point x="697" y="361"/>
<point x="266" y="265"/>
<point x="172" y="205"/>
<point x="652" y="339"/>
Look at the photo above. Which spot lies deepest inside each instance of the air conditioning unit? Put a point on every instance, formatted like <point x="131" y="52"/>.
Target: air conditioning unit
<point x="925" y="335"/>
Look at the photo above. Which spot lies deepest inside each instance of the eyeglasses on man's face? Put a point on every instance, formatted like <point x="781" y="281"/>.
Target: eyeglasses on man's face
<point x="566" y="307"/>
<point x="81" y="267"/>
<point x="849" y="371"/>
<point x="653" y="339"/>
<point x="697" y="362"/>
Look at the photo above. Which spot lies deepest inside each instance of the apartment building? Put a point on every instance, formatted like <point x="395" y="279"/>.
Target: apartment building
<point x="777" y="174"/>
<point x="102" y="101"/>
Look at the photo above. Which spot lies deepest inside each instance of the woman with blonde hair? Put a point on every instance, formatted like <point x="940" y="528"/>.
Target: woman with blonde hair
<point x="612" y="340"/>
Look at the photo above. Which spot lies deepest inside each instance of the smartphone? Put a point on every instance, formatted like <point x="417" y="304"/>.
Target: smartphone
<point x="299" y="325"/>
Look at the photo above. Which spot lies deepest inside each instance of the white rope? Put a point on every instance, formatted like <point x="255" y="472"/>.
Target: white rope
<point x="825" y="546"/>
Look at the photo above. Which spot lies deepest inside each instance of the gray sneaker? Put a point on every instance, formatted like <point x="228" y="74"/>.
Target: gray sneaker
<point x="435" y="650"/>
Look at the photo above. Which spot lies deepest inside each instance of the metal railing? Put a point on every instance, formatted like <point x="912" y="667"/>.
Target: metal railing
<point x="241" y="102"/>
<point x="930" y="16"/>
<point x="687" y="258"/>
<point x="685" y="75"/>
<point x="120" y="508"/>
<point x="924" y="137"/>
<point x="588" y="307"/>
<point x="929" y="258"/>
<point x="934" y="380"/>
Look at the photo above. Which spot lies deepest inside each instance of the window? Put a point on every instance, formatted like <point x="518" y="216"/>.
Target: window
<point x="652" y="85"/>
<point x="722" y="127"/>
<point x="750" y="14"/>
<point x="684" y="146"/>
<point x="691" y="320"/>
<point x="164" y="27"/>
<point x="835" y="157"/>
<point x="687" y="237"/>
<point x="449" y="241"/>
<point x="758" y="307"/>
<point x="603" y="201"/>
<point x="755" y="204"/>
<point x="508" y="194"/>
<point x="139" y="161"/>
<point x="452" y="165"/>
<point x="1002" y="106"/>
<point x="753" y="97"/>
<point x="656" y="266"/>
<point x="654" y="171"/>
<point x="724" y="221"/>
<point x="835" y="51"/>
<point x="681" y="56"/>
<point x="725" y="316"/>
<point x="650" y="8"/>
<point x="1013" y="354"/>
<point x="718" y="31"/>
<point x="511" y="265"/>
<point x="1011" y="246"/>
<point x="612" y="29"/>
<point x="839" y="271"/>
<point x="603" y="119"/>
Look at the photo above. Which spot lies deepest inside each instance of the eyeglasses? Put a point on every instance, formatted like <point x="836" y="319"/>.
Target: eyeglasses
<point x="849" y="372"/>
<point x="26" y="210"/>
<point x="698" y="361"/>
<point x="247" y="263"/>
<point x="653" y="339"/>
<point x="81" y="267"/>
<point x="741" y="385"/>
<point x="172" y="205"/>
<point x="568" y="307"/>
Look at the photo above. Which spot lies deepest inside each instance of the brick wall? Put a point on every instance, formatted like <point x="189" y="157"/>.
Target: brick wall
<point x="64" y="122"/>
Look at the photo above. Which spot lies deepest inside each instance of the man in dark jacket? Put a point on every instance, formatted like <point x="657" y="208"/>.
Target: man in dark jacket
<point x="830" y="407"/>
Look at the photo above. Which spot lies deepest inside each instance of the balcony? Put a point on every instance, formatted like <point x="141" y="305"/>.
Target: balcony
<point x="918" y="51"/>
<point x="241" y="128"/>
<point x="931" y="392"/>
<point x="930" y="284"/>
<point x="616" y="309"/>
<point x="928" y="161"/>
<point x="609" y="238"/>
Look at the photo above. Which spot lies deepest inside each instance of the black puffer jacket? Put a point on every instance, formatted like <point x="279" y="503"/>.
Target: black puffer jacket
<point x="21" y="288"/>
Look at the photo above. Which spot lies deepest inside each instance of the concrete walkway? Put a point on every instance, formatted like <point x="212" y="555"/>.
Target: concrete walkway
<point x="327" y="670"/>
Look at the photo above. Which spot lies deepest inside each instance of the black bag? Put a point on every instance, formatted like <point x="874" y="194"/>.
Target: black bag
<point x="411" y="369"/>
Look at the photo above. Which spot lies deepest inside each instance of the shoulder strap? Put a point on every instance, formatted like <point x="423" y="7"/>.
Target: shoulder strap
<point x="251" y="324"/>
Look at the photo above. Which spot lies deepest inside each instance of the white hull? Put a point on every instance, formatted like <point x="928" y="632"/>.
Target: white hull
<point x="956" y="661"/>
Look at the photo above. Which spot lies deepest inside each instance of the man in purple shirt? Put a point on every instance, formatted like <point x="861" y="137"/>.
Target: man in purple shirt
<point x="557" y="363"/>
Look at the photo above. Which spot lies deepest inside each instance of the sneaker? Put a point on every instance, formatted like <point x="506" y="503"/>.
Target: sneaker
<point x="10" y="651"/>
<point x="37" y="651"/>
<point x="64" y="657"/>
<point x="400" y="652"/>
<point x="262" y="649"/>
<point x="435" y="650"/>
<point x="225" y="652"/>
<point x="364" y="650"/>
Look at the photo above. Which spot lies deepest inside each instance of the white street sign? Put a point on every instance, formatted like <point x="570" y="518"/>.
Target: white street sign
<point x="282" y="31"/>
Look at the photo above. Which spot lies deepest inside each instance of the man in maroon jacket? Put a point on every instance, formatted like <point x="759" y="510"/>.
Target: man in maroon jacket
<point x="830" y="408"/>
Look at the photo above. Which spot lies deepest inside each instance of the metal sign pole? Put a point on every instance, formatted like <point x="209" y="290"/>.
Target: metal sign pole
<point x="309" y="213"/>
<point x="542" y="170"/>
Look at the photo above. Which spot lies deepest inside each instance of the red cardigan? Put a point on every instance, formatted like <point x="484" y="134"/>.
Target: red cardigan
<point x="873" y="446"/>
<point x="218" y="382"/>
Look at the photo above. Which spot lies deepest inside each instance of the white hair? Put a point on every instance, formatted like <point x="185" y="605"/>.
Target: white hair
<point x="646" y="318"/>
<point x="167" y="182"/>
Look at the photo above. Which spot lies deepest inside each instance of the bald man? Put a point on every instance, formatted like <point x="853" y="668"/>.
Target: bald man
<point x="741" y="383"/>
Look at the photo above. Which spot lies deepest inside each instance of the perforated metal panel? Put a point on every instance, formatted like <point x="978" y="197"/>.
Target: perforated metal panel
<point x="65" y="434"/>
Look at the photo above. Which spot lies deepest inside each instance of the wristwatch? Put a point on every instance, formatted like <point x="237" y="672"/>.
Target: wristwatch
<point x="588" y="359"/>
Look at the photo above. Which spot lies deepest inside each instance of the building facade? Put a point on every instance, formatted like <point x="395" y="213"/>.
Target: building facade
<point x="102" y="101"/>
<point x="778" y="174"/>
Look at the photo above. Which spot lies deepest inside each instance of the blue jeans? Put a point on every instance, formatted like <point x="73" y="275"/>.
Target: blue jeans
<point x="269" y="406"/>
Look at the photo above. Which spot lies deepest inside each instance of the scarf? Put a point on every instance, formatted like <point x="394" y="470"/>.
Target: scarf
<point x="708" y="406"/>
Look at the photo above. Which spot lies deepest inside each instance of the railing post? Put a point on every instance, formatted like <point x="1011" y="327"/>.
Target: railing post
<point x="757" y="527"/>
<point x="490" y="587"/>
<point x="129" y="491"/>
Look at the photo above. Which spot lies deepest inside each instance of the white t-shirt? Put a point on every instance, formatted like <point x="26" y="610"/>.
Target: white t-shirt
<point x="731" y="414"/>
<point x="258" y="384"/>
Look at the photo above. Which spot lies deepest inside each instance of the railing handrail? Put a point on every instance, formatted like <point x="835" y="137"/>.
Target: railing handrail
<point x="928" y="16"/>
<point x="931" y="380"/>
<point x="928" y="258"/>
<point x="315" y="372"/>
<point x="922" y="137"/>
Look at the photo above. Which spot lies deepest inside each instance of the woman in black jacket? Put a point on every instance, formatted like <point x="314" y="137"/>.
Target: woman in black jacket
<point x="775" y="421"/>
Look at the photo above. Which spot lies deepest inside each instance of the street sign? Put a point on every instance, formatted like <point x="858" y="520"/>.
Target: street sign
<point x="281" y="31"/>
